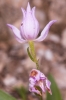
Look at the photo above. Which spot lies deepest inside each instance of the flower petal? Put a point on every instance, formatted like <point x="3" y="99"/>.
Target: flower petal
<point x="35" y="74"/>
<point x="32" y="81"/>
<point x="41" y="85"/>
<point x="24" y="12"/>
<point x="16" y="33"/>
<point x="36" y="23"/>
<point x="42" y="76"/>
<point x="28" y="8"/>
<point x="28" y="26"/>
<point x="32" y="87"/>
<point x="45" y="31"/>
<point x="48" y="83"/>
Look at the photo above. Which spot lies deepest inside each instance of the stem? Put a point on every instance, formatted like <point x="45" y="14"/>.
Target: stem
<point x="41" y="98"/>
<point x="32" y="51"/>
<point x="37" y="64"/>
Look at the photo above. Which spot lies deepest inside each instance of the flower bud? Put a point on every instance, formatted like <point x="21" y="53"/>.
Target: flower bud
<point x="30" y="25"/>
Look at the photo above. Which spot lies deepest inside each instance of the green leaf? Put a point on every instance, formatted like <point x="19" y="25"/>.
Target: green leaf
<point x="30" y="54"/>
<point x="22" y="92"/>
<point x="55" y="91"/>
<point x="5" y="96"/>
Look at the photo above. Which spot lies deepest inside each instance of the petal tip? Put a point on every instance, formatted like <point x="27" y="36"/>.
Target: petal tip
<point x="22" y="9"/>
<point x="9" y="25"/>
<point x="33" y="9"/>
<point x="28" y="4"/>
<point x="28" y="7"/>
<point x="23" y="12"/>
<point x="53" y="21"/>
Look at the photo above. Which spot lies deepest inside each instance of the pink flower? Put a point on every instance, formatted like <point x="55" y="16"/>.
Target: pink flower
<point x="38" y="79"/>
<point x="30" y="27"/>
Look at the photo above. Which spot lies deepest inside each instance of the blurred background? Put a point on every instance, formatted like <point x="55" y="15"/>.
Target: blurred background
<point x="15" y="64"/>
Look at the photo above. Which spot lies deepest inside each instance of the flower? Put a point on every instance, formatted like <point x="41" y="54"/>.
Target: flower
<point x="38" y="82"/>
<point x="30" y="27"/>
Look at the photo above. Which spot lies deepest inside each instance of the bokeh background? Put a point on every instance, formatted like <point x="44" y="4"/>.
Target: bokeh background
<point x="15" y="64"/>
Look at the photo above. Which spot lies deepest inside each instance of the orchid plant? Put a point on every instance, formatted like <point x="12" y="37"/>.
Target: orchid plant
<point x="29" y="30"/>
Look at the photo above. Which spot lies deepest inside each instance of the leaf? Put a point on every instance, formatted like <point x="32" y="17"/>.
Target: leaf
<point x="5" y="96"/>
<point x="30" y="54"/>
<point x="22" y="92"/>
<point x="55" y="91"/>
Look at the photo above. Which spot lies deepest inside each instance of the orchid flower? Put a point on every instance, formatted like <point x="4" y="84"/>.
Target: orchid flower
<point x="29" y="29"/>
<point x="38" y="79"/>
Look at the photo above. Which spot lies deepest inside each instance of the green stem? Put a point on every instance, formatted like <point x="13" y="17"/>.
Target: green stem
<point x="41" y="98"/>
<point x="37" y="64"/>
<point x="32" y="51"/>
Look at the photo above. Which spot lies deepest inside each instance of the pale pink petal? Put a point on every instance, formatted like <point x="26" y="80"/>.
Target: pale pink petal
<point x="22" y="31"/>
<point x="21" y="28"/>
<point x="41" y="85"/>
<point x="36" y="23"/>
<point x="48" y="83"/>
<point x="15" y="30"/>
<point x="20" y="40"/>
<point x="16" y="33"/>
<point x="28" y="27"/>
<point x="24" y="12"/>
<point x="32" y="81"/>
<point x="45" y="31"/>
<point x="32" y="85"/>
<point x="42" y="76"/>
<point x="28" y="8"/>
